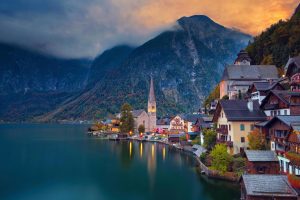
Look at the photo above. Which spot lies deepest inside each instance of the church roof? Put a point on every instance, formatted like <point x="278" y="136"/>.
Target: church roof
<point x="151" y="97"/>
<point x="250" y="72"/>
<point x="137" y="113"/>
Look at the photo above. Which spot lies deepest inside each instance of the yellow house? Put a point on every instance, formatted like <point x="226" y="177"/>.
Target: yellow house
<point x="235" y="119"/>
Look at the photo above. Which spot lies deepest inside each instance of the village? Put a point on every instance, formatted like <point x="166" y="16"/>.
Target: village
<point x="249" y="134"/>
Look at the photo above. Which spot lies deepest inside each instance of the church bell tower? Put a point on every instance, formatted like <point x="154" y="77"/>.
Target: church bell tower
<point x="151" y="107"/>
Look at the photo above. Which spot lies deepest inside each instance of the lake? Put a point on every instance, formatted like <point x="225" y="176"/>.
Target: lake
<point x="60" y="162"/>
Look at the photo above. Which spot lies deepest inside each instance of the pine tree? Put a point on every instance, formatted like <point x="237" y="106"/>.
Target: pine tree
<point x="127" y="121"/>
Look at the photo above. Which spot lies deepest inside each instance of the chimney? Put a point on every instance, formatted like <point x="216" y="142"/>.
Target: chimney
<point x="250" y="105"/>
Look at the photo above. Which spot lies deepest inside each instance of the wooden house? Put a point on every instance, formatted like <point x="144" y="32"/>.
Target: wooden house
<point x="261" y="162"/>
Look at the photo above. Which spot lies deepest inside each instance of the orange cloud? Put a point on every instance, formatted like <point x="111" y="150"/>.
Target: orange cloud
<point x="250" y="16"/>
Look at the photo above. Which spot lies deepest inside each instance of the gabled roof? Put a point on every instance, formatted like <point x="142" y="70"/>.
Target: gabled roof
<point x="265" y="85"/>
<point x="268" y="185"/>
<point x="137" y="113"/>
<point x="288" y="120"/>
<point x="164" y="121"/>
<point x="261" y="156"/>
<point x="283" y="95"/>
<point x="252" y="72"/>
<point x="237" y="110"/>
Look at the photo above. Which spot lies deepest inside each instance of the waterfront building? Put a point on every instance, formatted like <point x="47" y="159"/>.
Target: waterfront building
<point x="238" y="77"/>
<point x="266" y="187"/>
<point x="163" y="125"/>
<point x="177" y="124"/>
<point x="261" y="162"/>
<point x="235" y="119"/>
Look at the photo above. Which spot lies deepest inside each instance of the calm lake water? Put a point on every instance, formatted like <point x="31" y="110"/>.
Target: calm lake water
<point x="60" y="162"/>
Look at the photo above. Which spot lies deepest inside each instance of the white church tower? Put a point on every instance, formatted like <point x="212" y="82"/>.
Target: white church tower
<point x="151" y="108"/>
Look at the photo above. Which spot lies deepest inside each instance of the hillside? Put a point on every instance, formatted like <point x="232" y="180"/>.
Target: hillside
<point x="32" y="83"/>
<point x="185" y="62"/>
<point x="278" y="42"/>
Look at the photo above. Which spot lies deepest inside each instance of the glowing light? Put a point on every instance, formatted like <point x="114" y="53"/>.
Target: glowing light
<point x="164" y="153"/>
<point x="152" y="151"/>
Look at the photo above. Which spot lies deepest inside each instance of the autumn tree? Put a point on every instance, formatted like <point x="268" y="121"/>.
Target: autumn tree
<point x="127" y="121"/>
<point x="210" y="136"/>
<point x="256" y="140"/>
<point x="220" y="158"/>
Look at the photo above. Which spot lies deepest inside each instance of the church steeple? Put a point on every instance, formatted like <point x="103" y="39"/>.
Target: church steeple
<point x="151" y="98"/>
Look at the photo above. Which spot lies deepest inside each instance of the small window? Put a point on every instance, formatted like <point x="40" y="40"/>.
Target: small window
<point x="229" y="127"/>
<point x="285" y="112"/>
<point x="252" y="127"/>
<point x="242" y="127"/>
<point x="222" y="115"/>
<point x="242" y="139"/>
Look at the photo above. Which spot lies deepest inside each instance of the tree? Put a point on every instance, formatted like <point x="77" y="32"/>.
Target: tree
<point x="127" y="121"/>
<point x="256" y="140"/>
<point x="215" y="94"/>
<point x="141" y="128"/>
<point x="220" y="158"/>
<point x="210" y="136"/>
<point x="226" y="97"/>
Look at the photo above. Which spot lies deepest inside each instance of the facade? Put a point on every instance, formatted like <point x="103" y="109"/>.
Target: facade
<point x="281" y="102"/>
<point x="266" y="187"/>
<point x="163" y="124"/>
<point x="237" y="78"/>
<point x="259" y="90"/>
<point x="261" y="162"/>
<point x="177" y="124"/>
<point x="280" y="128"/>
<point x="235" y="119"/>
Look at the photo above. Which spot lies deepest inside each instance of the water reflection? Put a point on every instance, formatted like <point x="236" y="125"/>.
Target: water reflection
<point x="164" y="153"/>
<point x="141" y="150"/>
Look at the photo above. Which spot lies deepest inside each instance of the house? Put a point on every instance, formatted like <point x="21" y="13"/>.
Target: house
<point x="238" y="77"/>
<point x="292" y="72"/>
<point x="235" y="119"/>
<point x="175" y="138"/>
<point x="280" y="128"/>
<point x="177" y="124"/>
<point x="281" y="102"/>
<point x="261" y="162"/>
<point x="265" y="186"/>
<point x="294" y="150"/>
<point x="259" y="90"/>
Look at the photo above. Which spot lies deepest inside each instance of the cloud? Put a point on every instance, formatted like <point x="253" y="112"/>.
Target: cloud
<point x="84" y="28"/>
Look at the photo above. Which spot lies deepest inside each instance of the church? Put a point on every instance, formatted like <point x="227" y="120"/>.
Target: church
<point x="148" y="119"/>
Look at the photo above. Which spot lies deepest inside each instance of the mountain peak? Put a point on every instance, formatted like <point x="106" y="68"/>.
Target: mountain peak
<point x="196" y="18"/>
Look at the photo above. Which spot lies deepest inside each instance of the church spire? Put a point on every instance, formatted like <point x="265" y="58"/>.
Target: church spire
<point x="151" y="98"/>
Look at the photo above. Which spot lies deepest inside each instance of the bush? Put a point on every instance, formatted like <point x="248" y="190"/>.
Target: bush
<point x="220" y="158"/>
<point x="203" y="157"/>
<point x="196" y="140"/>
<point x="238" y="164"/>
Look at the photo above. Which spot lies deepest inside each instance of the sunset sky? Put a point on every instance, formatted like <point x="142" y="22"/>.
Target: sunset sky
<point x="84" y="28"/>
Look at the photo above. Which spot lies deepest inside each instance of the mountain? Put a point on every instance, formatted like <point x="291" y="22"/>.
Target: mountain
<point x="32" y="83"/>
<point x="276" y="44"/>
<point x="185" y="62"/>
<point x="109" y="59"/>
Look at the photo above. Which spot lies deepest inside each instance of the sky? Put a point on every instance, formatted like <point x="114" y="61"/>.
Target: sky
<point x="85" y="28"/>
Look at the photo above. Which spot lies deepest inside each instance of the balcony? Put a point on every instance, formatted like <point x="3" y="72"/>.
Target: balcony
<point x="227" y="143"/>
<point x="271" y="106"/>
<point x="223" y="131"/>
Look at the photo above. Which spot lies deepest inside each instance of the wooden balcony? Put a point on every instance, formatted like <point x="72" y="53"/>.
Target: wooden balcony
<point x="223" y="131"/>
<point x="227" y="143"/>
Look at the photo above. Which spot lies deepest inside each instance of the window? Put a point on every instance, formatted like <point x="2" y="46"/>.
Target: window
<point x="229" y="127"/>
<point x="242" y="139"/>
<point x="285" y="112"/>
<point x="252" y="127"/>
<point x="242" y="127"/>
<point x="222" y="115"/>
